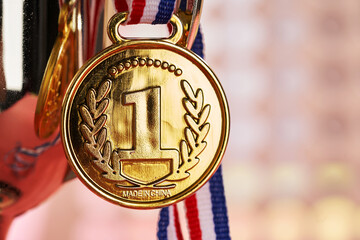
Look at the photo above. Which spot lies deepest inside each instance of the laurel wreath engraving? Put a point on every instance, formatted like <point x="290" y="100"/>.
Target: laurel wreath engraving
<point x="196" y="132"/>
<point x="94" y="131"/>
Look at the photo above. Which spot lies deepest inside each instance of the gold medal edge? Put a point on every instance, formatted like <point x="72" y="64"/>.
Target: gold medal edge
<point x="83" y="176"/>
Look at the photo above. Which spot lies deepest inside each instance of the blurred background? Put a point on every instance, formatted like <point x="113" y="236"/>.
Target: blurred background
<point x="291" y="71"/>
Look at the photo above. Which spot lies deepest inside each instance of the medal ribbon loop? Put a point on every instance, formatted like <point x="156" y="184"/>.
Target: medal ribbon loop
<point x="161" y="12"/>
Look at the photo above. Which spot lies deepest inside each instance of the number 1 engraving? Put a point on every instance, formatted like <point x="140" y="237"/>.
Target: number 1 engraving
<point x="147" y="163"/>
<point x="146" y="120"/>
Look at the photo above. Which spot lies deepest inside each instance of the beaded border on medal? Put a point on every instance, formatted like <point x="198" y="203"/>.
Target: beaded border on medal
<point x="124" y="65"/>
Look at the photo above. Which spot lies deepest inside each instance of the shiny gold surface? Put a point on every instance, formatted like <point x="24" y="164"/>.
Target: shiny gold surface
<point x="190" y="18"/>
<point x="145" y="123"/>
<point x="61" y="67"/>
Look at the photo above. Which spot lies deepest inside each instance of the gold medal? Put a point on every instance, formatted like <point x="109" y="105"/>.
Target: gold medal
<point x="59" y="71"/>
<point x="145" y="123"/>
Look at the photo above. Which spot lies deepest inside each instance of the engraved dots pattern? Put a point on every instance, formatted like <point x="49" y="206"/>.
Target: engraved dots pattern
<point x="157" y="63"/>
<point x="127" y="64"/>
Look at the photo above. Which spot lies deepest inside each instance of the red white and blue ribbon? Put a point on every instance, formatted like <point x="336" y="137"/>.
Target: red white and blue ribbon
<point x="146" y="11"/>
<point x="15" y="158"/>
<point x="206" y="211"/>
<point x="169" y="224"/>
<point x="206" y="214"/>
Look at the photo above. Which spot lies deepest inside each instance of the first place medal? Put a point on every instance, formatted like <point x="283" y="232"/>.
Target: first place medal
<point x="145" y="123"/>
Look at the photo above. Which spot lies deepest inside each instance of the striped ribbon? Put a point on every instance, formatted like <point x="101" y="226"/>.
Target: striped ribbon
<point x="15" y="158"/>
<point x="146" y="11"/>
<point x="206" y="214"/>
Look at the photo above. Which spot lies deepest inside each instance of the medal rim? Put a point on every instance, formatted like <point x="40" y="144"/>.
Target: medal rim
<point x="78" y="79"/>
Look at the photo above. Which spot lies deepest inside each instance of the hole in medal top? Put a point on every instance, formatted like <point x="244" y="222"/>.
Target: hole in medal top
<point x="144" y="31"/>
<point x="117" y="31"/>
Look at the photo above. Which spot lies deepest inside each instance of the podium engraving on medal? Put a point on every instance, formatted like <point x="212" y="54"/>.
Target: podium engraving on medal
<point x="147" y="163"/>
